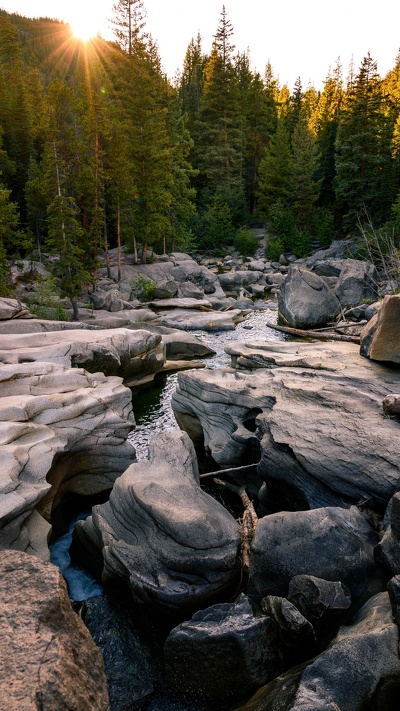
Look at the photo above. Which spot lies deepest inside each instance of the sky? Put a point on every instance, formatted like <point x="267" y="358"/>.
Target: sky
<point x="299" y="37"/>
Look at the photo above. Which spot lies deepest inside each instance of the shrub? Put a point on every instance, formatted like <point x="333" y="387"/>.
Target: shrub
<point x="44" y="302"/>
<point x="381" y="247"/>
<point x="143" y="288"/>
<point x="274" y="248"/>
<point x="246" y="242"/>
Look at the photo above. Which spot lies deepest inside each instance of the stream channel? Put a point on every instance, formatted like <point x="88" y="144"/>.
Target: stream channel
<point x="153" y="414"/>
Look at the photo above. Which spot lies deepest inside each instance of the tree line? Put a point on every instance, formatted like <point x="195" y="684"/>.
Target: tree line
<point x="98" y="148"/>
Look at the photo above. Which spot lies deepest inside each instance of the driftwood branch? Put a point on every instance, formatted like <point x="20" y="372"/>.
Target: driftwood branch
<point x="314" y="334"/>
<point x="246" y="468"/>
<point x="248" y="522"/>
<point x="340" y="326"/>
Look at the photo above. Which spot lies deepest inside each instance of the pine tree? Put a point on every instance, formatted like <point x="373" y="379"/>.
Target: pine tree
<point x="363" y="147"/>
<point x="128" y="23"/>
<point x="275" y="171"/>
<point x="218" y="154"/>
<point x="19" y="102"/>
<point x="64" y="177"/>
<point x="325" y="122"/>
<point x="303" y="185"/>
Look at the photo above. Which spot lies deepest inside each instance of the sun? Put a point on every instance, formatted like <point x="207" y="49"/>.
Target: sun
<point x="82" y="28"/>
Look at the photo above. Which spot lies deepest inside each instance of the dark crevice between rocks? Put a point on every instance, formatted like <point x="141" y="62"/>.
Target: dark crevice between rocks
<point x="69" y="506"/>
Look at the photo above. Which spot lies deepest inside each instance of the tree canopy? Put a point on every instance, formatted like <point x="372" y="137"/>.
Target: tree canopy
<point x="98" y="148"/>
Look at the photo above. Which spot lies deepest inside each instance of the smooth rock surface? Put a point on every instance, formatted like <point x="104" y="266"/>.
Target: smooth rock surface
<point x="310" y="413"/>
<point x="121" y="352"/>
<point x="359" y="670"/>
<point x="380" y="338"/>
<point x="175" y="546"/>
<point x="305" y="300"/>
<point x="332" y="543"/>
<point x="193" y="320"/>
<point x="48" y="659"/>
<point x="61" y="429"/>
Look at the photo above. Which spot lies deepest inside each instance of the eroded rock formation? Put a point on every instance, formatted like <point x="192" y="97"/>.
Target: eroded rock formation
<point x="61" y="429"/>
<point x="175" y="546"/>
<point x="321" y="438"/>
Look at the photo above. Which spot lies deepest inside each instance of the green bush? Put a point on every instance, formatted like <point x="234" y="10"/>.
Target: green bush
<point x="246" y="242"/>
<point x="143" y="288"/>
<point x="274" y="248"/>
<point x="44" y="302"/>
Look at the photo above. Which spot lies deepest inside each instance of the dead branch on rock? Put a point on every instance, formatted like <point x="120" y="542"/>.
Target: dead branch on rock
<point x="340" y="326"/>
<point x="314" y="334"/>
<point x="246" y="468"/>
<point x="248" y="522"/>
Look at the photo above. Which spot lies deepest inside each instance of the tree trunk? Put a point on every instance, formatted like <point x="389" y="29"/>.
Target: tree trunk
<point x="75" y="309"/>
<point x="119" y="240"/>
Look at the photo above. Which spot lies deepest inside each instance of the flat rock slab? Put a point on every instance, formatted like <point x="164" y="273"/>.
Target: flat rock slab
<point x="322" y="435"/>
<point x="180" y="303"/>
<point x="175" y="546"/>
<point x="113" y="352"/>
<point x="192" y="320"/>
<point x="48" y="659"/>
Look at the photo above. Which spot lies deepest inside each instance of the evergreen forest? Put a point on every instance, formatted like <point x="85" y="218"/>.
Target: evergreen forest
<point x="99" y="149"/>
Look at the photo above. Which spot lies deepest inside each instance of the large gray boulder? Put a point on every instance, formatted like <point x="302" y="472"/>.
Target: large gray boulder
<point x="231" y="651"/>
<point x="310" y="414"/>
<point x="358" y="281"/>
<point x="179" y="268"/>
<point x="332" y="543"/>
<point x="305" y="300"/>
<point x="175" y="546"/>
<point x="359" y="670"/>
<point x="233" y="281"/>
<point x="48" y="659"/>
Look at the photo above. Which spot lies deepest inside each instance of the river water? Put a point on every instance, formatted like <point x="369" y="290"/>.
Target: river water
<point x="152" y="407"/>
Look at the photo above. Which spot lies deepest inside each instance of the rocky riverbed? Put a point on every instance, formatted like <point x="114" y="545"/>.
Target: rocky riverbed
<point x="279" y="578"/>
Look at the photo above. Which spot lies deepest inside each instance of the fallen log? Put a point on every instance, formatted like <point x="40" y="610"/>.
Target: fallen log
<point x="314" y="334"/>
